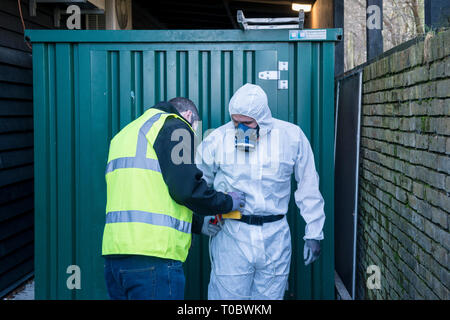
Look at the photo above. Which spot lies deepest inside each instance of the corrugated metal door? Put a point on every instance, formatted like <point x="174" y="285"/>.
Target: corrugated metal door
<point x="88" y="91"/>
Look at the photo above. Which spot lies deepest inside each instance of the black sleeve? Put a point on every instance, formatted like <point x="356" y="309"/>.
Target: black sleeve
<point x="184" y="180"/>
<point x="197" y="223"/>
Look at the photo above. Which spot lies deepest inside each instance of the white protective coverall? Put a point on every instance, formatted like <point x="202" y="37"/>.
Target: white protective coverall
<point x="251" y="261"/>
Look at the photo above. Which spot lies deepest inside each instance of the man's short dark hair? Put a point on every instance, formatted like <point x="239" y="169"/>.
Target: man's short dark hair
<point x="184" y="104"/>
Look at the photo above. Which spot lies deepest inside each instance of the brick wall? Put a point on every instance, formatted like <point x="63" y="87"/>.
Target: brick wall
<point x="404" y="186"/>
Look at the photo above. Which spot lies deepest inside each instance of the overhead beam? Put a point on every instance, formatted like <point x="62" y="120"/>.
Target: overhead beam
<point x="230" y="16"/>
<point x="98" y="3"/>
<point x="145" y="13"/>
<point x="190" y="21"/>
<point x="274" y="2"/>
<point x="187" y="13"/>
<point x="271" y="11"/>
<point x="174" y="3"/>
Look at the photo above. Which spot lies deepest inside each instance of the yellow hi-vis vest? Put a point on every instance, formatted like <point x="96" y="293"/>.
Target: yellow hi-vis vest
<point x="141" y="216"/>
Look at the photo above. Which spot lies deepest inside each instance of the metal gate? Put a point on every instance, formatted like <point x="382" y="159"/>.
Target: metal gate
<point x="90" y="84"/>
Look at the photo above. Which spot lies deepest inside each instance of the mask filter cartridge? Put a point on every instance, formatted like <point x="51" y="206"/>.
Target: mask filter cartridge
<point x="246" y="137"/>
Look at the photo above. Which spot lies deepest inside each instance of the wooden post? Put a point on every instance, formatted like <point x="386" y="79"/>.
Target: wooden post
<point x="338" y="21"/>
<point x="437" y="13"/>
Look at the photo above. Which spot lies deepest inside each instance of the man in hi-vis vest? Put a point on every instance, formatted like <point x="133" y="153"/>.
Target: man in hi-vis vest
<point x="153" y="188"/>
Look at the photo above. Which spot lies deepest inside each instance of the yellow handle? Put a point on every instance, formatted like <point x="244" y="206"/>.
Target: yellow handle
<point x="232" y="215"/>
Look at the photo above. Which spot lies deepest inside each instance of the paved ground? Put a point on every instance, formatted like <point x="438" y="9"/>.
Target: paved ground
<point x="24" y="292"/>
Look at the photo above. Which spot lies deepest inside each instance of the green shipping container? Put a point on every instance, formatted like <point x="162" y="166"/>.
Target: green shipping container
<point x="90" y="84"/>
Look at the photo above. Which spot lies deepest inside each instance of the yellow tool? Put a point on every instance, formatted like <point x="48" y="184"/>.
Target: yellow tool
<point x="230" y="215"/>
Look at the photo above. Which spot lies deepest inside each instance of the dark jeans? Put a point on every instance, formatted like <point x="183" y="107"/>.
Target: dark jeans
<point x="144" y="278"/>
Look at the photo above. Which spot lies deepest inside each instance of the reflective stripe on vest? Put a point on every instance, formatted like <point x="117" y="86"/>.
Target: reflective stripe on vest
<point x="133" y="162"/>
<point x="148" y="217"/>
<point x="140" y="161"/>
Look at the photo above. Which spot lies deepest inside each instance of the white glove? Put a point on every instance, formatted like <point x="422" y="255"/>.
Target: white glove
<point x="208" y="228"/>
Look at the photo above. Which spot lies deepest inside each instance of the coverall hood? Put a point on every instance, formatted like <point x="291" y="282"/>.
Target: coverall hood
<point x="251" y="100"/>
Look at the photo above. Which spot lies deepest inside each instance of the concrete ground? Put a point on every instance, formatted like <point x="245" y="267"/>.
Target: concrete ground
<point x="24" y="292"/>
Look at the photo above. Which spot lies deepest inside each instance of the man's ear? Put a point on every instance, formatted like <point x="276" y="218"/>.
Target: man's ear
<point x="187" y="115"/>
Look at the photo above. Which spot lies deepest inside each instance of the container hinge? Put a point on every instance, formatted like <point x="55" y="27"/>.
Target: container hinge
<point x="283" y="85"/>
<point x="276" y="75"/>
<point x="283" y="65"/>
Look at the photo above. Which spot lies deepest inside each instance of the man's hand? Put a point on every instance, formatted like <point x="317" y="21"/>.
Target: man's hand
<point x="311" y="251"/>
<point x="238" y="200"/>
<point x="208" y="228"/>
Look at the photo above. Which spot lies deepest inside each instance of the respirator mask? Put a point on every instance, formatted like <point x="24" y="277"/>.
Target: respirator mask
<point x="245" y="137"/>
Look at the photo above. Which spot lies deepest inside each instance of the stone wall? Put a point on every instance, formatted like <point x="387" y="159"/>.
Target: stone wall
<point x="404" y="186"/>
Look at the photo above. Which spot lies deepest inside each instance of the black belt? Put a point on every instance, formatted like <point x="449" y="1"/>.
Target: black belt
<point x="260" y="220"/>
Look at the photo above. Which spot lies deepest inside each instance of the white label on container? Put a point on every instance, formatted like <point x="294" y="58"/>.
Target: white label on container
<point x="312" y="34"/>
